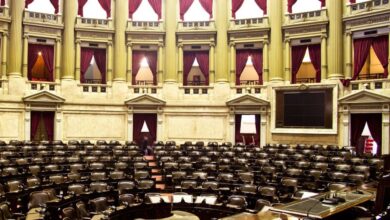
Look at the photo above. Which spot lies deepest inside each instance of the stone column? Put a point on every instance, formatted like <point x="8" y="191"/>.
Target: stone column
<point x="121" y="15"/>
<point x="25" y="56"/>
<point x="130" y="62"/>
<point x="276" y="10"/>
<point x="58" y="60"/>
<point x="78" y="58"/>
<point x="160" y="64"/>
<point x="388" y="67"/>
<point x="130" y="125"/>
<point x="232" y="64"/>
<point x="348" y="55"/>
<point x="335" y="55"/>
<point x="265" y="61"/>
<point x="385" y="130"/>
<point x="4" y="50"/>
<point x="68" y="49"/>
<point x="16" y="33"/>
<point x="287" y="59"/>
<point x="212" y="64"/>
<point x="27" y="124"/>
<point x="324" y="55"/>
<point x="180" y="67"/>
<point x="171" y="14"/>
<point x="109" y="62"/>
<point x="222" y="25"/>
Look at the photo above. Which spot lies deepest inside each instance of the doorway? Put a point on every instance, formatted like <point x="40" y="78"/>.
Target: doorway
<point x="144" y="125"/>
<point x="42" y="126"/>
<point x="363" y="128"/>
<point x="247" y="130"/>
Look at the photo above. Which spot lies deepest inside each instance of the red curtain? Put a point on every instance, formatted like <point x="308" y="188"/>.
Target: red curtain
<point x="81" y="7"/>
<point x="257" y="61"/>
<point x="188" y="60"/>
<point x="55" y="5"/>
<point x="48" y="57"/>
<point x="237" y="129"/>
<point x="323" y="3"/>
<point x="352" y="1"/>
<point x="236" y="4"/>
<point x="257" y="137"/>
<point x="203" y="59"/>
<point x="106" y="5"/>
<point x="85" y="60"/>
<point x="2" y="2"/>
<point x="32" y="58"/>
<point x="156" y="5"/>
<point x="241" y="60"/>
<point x="374" y="122"/>
<point x="48" y="119"/>
<point x="100" y="58"/>
<point x="357" y="125"/>
<point x="381" y="47"/>
<point x="35" y="118"/>
<point x="184" y="6"/>
<point x="47" y="52"/>
<point x="263" y="5"/>
<point x="133" y="6"/>
<point x="315" y="57"/>
<point x="151" y="58"/>
<point x="26" y="3"/>
<point x="151" y="122"/>
<point x="361" y="51"/>
<point x="208" y="6"/>
<point x="290" y="4"/>
<point x="297" y="55"/>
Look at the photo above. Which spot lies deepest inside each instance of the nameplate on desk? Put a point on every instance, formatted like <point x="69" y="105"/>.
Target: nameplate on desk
<point x="185" y="198"/>
<point x="210" y="200"/>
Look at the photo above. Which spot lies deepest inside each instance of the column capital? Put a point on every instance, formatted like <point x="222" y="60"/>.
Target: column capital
<point x="348" y="32"/>
<point x="26" y="36"/>
<point x="266" y="41"/>
<point x="58" y="40"/>
<point x="232" y="44"/>
<point x="5" y="34"/>
<point x="129" y="44"/>
<point x="324" y="36"/>
<point x="212" y="44"/>
<point x="287" y="40"/>
<point x="109" y="43"/>
<point x="78" y="41"/>
<point x="180" y="45"/>
<point x="160" y="44"/>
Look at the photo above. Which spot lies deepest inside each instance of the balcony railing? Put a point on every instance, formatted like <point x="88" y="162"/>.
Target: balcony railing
<point x="93" y="81"/>
<point x="368" y="6"/>
<point x="4" y="11"/>
<point x="196" y="83"/>
<point x="318" y="15"/>
<point x="94" y="88"/>
<point x="305" y="80"/>
<point x="249" y="23"/>
<point x="42" y="86"/>
<point x="249" y="87"/>
<point x="144" y="87"/>
<point x="94" y="23"/>
<point x="196" y="90"/>
<point x="196" y="25"/>
<point x="31" y="16"/>
<point x="145" y="25"/>
<point x="371" y="76"/>
<point x="370" y="84"/>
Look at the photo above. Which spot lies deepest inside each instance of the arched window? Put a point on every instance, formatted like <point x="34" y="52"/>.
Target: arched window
<point x="196" y="68"/>
<point x="144" y="67"/>
<point x="196" y="12"/>
<point x="93" y="9"/>
<point x="306" y="63"/>
<point x="249" y="66"/>
<point x="306" y="5"/>
<point x="145" y="12"/>
<point x="40" y="62"/>
<point x="249" y="75"/>
<point x="42" y="6"/>
<point x="249" y="9"/>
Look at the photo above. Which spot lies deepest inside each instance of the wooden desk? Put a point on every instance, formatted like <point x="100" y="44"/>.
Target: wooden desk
<point x="314" y="208"/>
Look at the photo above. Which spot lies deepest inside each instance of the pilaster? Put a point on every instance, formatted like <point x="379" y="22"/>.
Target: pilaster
<point x="16" y="33"/>
<point x="222" y="25"/>
<point x="121" y="14"/>
<point x="170" y="41"/>
<point x="4" y="50"/>
<point x="276" y="10"/>
<point x="335" y="58"/>
<point x="212" y="63"/>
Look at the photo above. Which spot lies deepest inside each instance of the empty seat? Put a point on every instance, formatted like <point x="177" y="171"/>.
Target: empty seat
<point x="124" y="186"/>
<point x="237" y="202"/>
<point x="76" y="189"/>
<point x="99" y="204"/>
